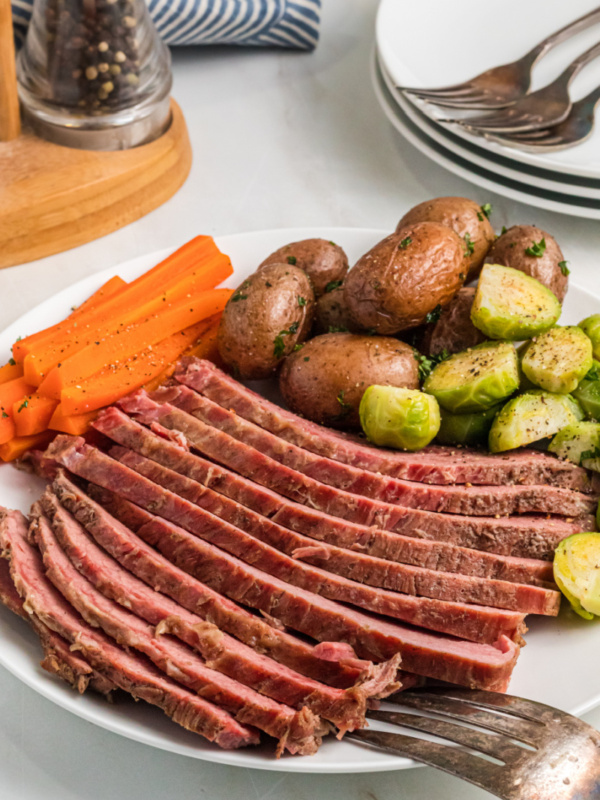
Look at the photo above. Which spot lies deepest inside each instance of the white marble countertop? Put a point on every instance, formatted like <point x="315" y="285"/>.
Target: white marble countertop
<point x="280" y="140"/>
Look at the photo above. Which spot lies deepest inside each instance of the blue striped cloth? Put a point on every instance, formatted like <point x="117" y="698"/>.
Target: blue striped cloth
<point x="270" y="23"/>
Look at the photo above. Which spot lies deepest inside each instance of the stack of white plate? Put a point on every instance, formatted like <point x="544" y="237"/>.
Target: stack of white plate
<point x="432" y="44"/>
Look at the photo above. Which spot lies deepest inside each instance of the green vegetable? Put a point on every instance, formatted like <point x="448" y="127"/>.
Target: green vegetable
<point x="564" y="268"/>
<point x="577" y="442"/>
<point x="512" y="305"/>
<point x="558" y="359"/>
<point x="427" y="363"/>
<point x="405" y="242"/>
<point x="476" y="379"/>
<point x="588" y="393"/>
<point x="576" y="572"/>
<point x="487" y="209"/>
<point x="470" y="245"/>
<point x="537" y="249"/>
<point x="466" y="429"/>
<point x="332" y="285"/>
<point x="403" y="418"/>
<point x="433" y="316"/>
<point x="591" y="327"/>
<point x="531" y="417"/>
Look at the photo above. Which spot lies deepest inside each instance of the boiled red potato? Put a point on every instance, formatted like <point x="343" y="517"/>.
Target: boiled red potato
<point x="535" y="252"/>
<point x="325" y="263"/>
<point x="454" y="330"/>
<point x="466" y="218"/>
<point x="325" y="380"/>
<point x="406" y="279"/>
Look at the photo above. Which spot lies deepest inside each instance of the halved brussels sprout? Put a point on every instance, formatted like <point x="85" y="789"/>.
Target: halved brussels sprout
<point x="577" y="442"/>
<point x="476" y="379"/>
<point x="466" y="429"/>
<point x="531" y="417"/>
<point x="587" y="393"/>
<point x="512" y="305"/>
<point x="591" y="327"/>
<point x="558" y="359"/>
<point x="576" y="572"/>
<point x="403" y="418"/>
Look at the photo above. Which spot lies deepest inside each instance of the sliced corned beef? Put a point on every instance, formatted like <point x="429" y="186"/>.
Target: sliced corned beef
<point x="379" y="543"/>
<point x="441" y="465"/>
<point x="474" y="622"/>
<point x="469" y="500"/>
<point x="530" y="537"/>
<point x="132" y="673"/>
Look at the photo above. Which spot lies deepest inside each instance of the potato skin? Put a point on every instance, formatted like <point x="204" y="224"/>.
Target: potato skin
<point x="331" y="314"/>
<point x="322" y="261"/>
<point x="509" y="251"/>
<point x="256" y="315"/>
<point x="403" y="278"/>
<point x="464" y="217"/>
<point x="454" y="330"/>
<point x="326" y="379"/>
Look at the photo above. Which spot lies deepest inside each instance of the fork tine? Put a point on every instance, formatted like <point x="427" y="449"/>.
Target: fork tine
<point x="456" y="90"/>
<point x="456" y="762"/>
<point x="537" y="712"/>
<point x="520" y="729"/>
<point x="499" y="747"/>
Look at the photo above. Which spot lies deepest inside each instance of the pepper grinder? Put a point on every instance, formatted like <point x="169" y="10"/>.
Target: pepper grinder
<point x="101" y="144"/>
<point x="94" y="74"/>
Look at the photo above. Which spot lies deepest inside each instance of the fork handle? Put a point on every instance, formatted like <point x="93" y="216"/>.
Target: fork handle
<point x="565" y="33"/>
<point x="577" y="65"/>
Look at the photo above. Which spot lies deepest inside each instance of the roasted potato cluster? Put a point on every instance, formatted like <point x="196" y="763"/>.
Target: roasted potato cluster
<point x="331" y="332"/>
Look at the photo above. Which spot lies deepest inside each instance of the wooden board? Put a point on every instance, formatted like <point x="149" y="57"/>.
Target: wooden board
<point x="53" y="198"/>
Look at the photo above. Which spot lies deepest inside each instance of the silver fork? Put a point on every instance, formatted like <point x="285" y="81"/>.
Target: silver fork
<point x="544" y="754"/>
<point x="502" y="86"/>
<point x="542" y="109"/>
<point x="576" y="128"/>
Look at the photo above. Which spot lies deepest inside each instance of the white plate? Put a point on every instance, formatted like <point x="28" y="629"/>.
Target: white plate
<point x="515" y="190"/>
<point x="500" y="166"/>
<point x="438" y="44"/>
<point x="558" y="667"/>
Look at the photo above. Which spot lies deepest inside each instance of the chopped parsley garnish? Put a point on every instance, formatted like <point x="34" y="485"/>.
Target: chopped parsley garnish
<point x="564" y="268"/>
<point x="297" y="347"/>
<point x="337" y="329"/>
<point x="461" y="275"/>
<point x="4" y="414"/>
<point x="332" y="285"/>
<point x="268" y="285"/>
<point x="537" y="249"/>
<point x="405" y="242"/>
<point x="486" y="208"/>
<point x="427" y="363"/>
<point x="434" y="315"/>
<point x="333" y="243"/>
<point x="279" y="345"/>
<point x="238" y="296"/>
<point x="301" y="301"/>
<point x="503" y="229"/>
<point x="12" y="362"/>
<point x="292" y="260"/>
<point x="307" y="358"/>
<point x="346" y="407"/>
<point x="23" y="405"/>
<point x="470" y="245"/>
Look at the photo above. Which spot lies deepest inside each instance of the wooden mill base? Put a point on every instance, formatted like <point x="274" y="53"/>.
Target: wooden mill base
<point x="53" y="198"/>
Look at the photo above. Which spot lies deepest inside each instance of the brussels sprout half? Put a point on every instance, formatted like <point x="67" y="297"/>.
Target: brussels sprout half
<point x="576" y="572"/>
<point x="403" y="418"/>
<point x="466" y="429"/>
<point x="512" y="305"/>
<point x="591" y="327"/>
<point x="531" y="417"/>
<point x="578" y="442"/>
<point x="476" y="379"/>
<point x="558" y="359"/>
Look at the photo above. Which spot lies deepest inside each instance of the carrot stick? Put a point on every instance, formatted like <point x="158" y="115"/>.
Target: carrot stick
<point x="76" y="425"/>
<point x="151" y="282"/>
<point x="10" y="371"/>
<point x="19" y="445"/>
<point x="121" y="312"/>
<point x="113" y="383"/>
<point x="32" y="414"/>
<point x="10" y="392"/>
<point x="124" y="345"/>
<point x="107" y="290"/>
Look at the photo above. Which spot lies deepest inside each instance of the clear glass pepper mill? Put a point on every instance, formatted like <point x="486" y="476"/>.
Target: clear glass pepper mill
<point x="94" y="74"/>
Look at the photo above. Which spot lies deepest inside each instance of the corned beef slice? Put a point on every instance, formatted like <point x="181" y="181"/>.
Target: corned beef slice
<point x="473" y="622"/>
<point x="159" y="573"/>
<point x="220" y="651"/>
<point x="132" y="673"/>
<point x="298" y="732"/>
<point x="470" y="500"/>
<point x="530" y="536"/>
<point x="358" y="567"/>
<point x="58" y="658"/>
<point x="440" y="556"/>
<point x="438" y="465"/>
